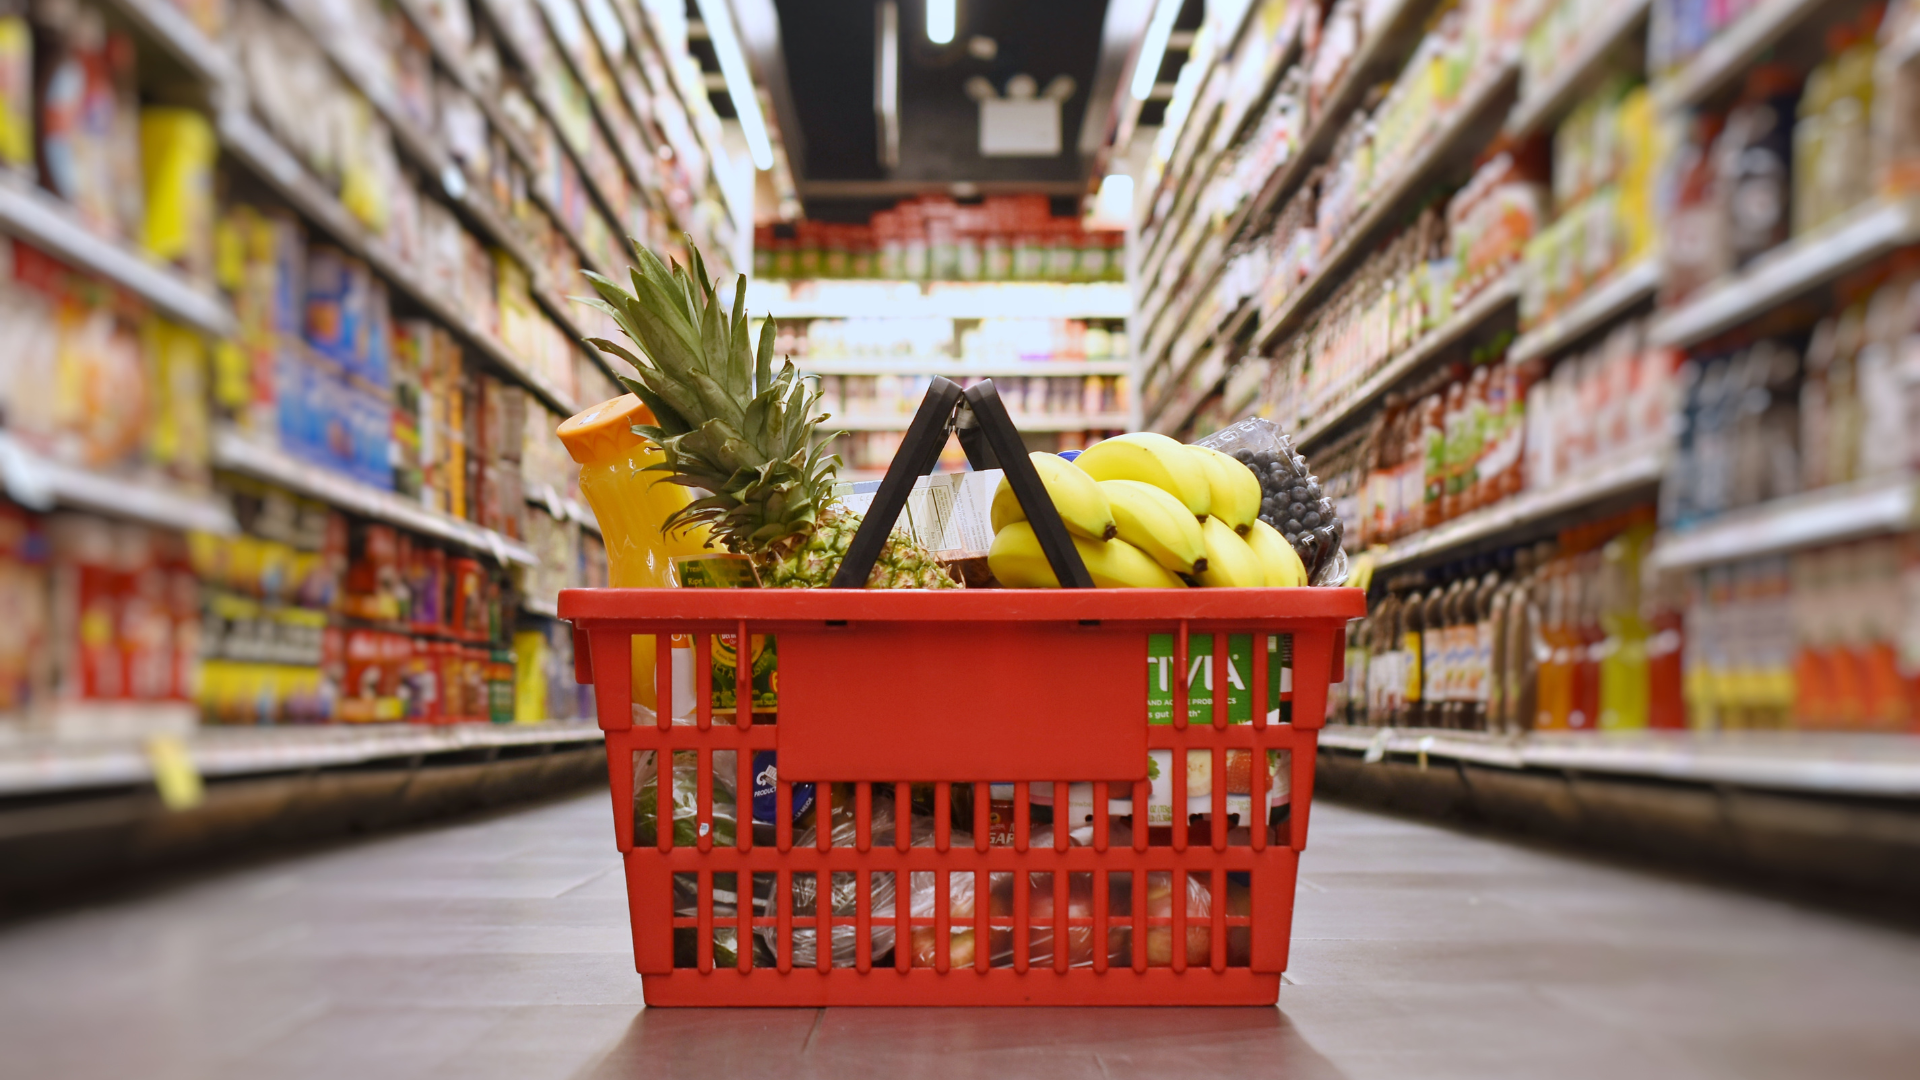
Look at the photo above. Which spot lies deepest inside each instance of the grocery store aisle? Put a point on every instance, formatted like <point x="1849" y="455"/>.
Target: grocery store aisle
<point x="497" y="947"/>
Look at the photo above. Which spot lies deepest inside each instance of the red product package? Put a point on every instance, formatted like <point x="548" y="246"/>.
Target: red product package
<point x="469" y="615"/>
<point x="425" y="698"/>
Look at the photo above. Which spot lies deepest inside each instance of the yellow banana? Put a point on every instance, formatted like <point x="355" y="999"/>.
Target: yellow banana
<point x="1082" y="505"/>
<point x="1152" y="459"/>
<point x="1282" y="563"/>
<point x="1018" y="562"/>
<point x="1236" y="491"/>
<point x="1230" y="562"/>
<point x="1158" y="524"/>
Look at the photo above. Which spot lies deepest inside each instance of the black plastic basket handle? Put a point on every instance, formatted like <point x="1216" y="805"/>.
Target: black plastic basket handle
<point x="989" y="438"/>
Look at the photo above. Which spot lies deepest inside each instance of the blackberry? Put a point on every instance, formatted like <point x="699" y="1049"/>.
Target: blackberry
<point x="1291" y="498"/>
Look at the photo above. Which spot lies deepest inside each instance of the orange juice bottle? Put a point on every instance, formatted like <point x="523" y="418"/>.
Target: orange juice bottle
<point x="631" y="505"/>
<point x="1557" y="643"/>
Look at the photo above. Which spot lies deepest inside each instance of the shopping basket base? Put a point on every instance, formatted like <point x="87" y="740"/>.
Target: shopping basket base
<point x="812" y="988"/>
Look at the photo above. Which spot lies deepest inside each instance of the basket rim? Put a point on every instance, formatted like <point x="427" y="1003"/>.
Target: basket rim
<point x="1306" y="607"/>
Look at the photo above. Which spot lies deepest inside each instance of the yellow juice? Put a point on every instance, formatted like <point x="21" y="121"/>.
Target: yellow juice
<point x="631" y="505"/>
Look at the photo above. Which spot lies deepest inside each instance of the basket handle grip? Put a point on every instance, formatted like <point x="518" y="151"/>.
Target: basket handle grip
<point x="920" y="451"/>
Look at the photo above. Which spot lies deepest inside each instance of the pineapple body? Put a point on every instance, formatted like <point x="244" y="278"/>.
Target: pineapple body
<point x="903" y="563"/>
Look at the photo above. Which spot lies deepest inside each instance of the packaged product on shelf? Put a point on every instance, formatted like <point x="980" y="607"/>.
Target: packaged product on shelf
<point x="24" y="611"/>
<point x="177" y="151"/>
<point x="1895" y="132"/>
<point x="17" y="120"/>
<point x="1832" y="135"/>
<point x="1757" y="148"/>
<point x="88" y="122"/>
<point x="123" y="625"/>
<point x="933" y="238"/>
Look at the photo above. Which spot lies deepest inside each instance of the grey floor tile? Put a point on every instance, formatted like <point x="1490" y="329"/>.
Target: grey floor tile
<point x="499" y="947"/>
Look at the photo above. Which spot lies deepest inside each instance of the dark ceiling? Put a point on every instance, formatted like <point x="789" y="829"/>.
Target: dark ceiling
<point x="829" y="48"/>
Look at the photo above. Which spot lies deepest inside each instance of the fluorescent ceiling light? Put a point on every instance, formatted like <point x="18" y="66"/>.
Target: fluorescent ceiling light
<point x="733" y="65"/>
<point x="940" y="21"/>
<point x="1153" y="48"/>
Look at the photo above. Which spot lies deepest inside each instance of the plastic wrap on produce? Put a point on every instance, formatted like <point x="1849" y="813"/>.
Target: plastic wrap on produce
<point x="1040" y="922"/>
<point x="1291" y="498"/>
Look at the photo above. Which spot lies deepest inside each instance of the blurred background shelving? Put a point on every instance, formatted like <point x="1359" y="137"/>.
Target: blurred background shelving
<point x="287" y="323"/>
<point x="1591" y="314"/>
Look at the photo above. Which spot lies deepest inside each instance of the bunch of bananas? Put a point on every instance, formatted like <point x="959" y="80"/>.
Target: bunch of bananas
<point x="1146" y="511"/>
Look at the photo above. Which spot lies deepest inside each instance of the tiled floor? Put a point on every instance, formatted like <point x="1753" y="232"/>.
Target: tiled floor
<point x="498" y="948"/>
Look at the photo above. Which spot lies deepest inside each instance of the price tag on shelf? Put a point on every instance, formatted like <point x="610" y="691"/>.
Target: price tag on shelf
<point x="174" y="773"/>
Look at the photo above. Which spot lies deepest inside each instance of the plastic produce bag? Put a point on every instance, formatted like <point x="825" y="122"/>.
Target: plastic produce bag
<point x="844" y="901"/>
<point x="1291" y="499"/>
<point x="1080" y="939"/>
<point x="686" y="794"/>
<point x="686" y="828"/>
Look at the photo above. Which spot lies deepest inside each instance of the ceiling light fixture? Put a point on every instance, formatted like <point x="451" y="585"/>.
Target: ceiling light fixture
<point x="886" y="81"/>
<point x="733" y="64"/>
<point x="940" y="16"/>
<point x="1153" y="48"/>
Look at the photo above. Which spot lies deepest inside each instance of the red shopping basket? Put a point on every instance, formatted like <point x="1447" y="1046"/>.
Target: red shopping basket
<point x="902" y="715"/>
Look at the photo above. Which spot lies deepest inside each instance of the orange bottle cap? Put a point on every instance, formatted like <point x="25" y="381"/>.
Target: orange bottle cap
<point x="605" y="430"/>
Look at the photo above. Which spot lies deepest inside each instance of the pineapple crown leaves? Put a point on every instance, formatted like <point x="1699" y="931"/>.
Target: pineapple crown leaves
<point x="726" y="421"/>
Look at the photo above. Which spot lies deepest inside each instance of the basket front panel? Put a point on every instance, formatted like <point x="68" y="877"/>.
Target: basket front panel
<point x="956" y="702"/>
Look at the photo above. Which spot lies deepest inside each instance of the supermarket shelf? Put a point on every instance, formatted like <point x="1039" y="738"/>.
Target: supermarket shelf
<point x="831" y="299"/>
<point x="1540" y="107"/>
<point x="563" y="509"/>
<point x="45" y="221"/>
<point x="1071" y="422"/>
<point x="1729" y="55"/>
<point x="165" y="24"/>
<point x="247" y="140"/>
<point x="418" y="143"/>
<point x="40" y="483"/>
<point x="537" y="91"/>
<point x="1397" y="32"/>
<point x="1628" y="472"/>
<point x="30" y="765"/>
<point x="1491" y="301"/>
<point x="643" y="32"/>
<point x="1836" y="763"/>
<point x="1187" y="391"/>
<point x="1829" y="515"/>
<point x="1791" y="269"/>
<point x="455" y="63"/>
<point x="1598" y="306"/>
<point x="237" y="453"/>
<point x="952" y="369"/>
<point x="548" y="606"/>
<point x="1391" y="199"/>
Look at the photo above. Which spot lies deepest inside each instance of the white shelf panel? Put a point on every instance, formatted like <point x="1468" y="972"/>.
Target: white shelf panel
<point x="1836" y="763"/>
<point x="1829" y="515"/>
<point x="237" y="453"/>
<point x="1411" y="179"/>
<point x="827" y="299"/>
<point x="1492" y="300"/>
<point x="1071" y="422"/>
<point x="1542" y="106"/>
<point x="1595" y="308"/>
<point x="1791" y="269"/>
<point x="43" y="220"/>
<point x="40" y="483"/>
<point x="167" y="25"/>
<point x="31" y="765"/>
<point x="1625" y="473"/>
<point x="963" y="369"/>
<point x="1728" y="56"/>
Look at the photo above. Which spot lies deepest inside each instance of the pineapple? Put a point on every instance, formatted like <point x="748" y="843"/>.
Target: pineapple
<point x="739" y="432"/>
